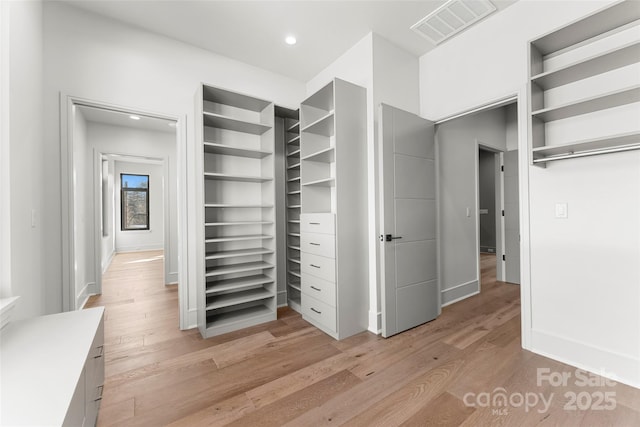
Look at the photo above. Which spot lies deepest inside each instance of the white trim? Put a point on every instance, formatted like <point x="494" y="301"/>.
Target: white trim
<point x="107" y="264"/>
<point x="470" y="282"/>
<point x="476" y="214"/>
<point x="191" y="319"/>
<point x="139" y="248"/>
<point x="500" y="102"/>
<point x="617" y="366"/>
<point x="187" y="319"/>
<point x="523" y="196"/>
<point x="5" y="151"/>
<point x="461" y="298"/>
<point x="375" y="322"/>
<point x="172" y="278"/>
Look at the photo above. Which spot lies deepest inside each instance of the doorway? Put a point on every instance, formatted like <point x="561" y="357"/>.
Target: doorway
<point x="100" y="144"/>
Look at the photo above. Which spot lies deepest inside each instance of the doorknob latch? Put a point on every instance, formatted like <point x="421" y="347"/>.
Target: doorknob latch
<point x="388" y="237"/>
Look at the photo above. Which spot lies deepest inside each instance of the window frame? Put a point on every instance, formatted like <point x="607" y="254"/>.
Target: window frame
<point x="124" y="190"/>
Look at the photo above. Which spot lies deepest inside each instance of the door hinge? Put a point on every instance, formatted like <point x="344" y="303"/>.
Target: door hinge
<point x="502" y="212"/>
<point x="504" y="257"/>
<point x="502" y="168"/>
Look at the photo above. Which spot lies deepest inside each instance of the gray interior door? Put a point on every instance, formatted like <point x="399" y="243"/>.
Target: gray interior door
<point x="511" y="218"/>
<point x="409" y="285"/>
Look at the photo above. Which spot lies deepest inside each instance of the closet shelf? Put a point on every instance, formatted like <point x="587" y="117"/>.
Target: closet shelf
<point x="230" y="123"/>
<point x="294" y="140"/>
<point x="327" y="155"/>
<point x="235" y="205"/>
<point x="325" y="182"/>
<point x="239" y="283"/>
<point x="597" y="64"/>
<point x="238" y="253"/>
<point x="237" y="268"/>
<point x="239" y="178"/>
<point x="228" y="300"/>
<point x="238" y="238"/>
<point x="295" y="178"/>
<point x="293" y="234"/>
<point x="293" y="207"/>
<point x="256" y="314"/>
<point x="293" y="153"/>
<point x="294" y="166"/>
<point x="294" y="127"/>
<point x="620" y="142"/>
<point x="293" y="193"/>
<point x="294" y="221"/>
<point x="295" y="248"/>
<point x="589" y="105"/>
<point x="297" y="261"/>
<point x="219" y="224"/>
<point x="226" y="97"/>
<point x="323" y="126"/>
<point x="295" y="286"/>
<point x="295" y="273"/>
<point x="229" y="150"/>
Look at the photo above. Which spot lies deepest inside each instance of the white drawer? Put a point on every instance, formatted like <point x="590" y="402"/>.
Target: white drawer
<point x="324" y="223"/>
<point x="318" y="244"/>
<point x="319" y="266"/>
<point x="322" y="290"/>
<point x="319" y="313"/>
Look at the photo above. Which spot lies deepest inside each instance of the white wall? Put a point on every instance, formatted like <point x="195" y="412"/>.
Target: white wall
<point x="582" y="276"/>
<point x="5" y="164"/>
<point x="91" y="57"/>
<point x="457" y="155"/>
<point x="142" y="240"/>
<point x="120" y="140"/>
<point x="389" y="75"/>
<point x="22" y="25"/>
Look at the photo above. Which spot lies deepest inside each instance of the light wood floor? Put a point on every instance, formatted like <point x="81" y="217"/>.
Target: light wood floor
<point x="287" y="372"/>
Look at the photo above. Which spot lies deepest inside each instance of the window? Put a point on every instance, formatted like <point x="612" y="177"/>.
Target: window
<point x="134" y="199"/>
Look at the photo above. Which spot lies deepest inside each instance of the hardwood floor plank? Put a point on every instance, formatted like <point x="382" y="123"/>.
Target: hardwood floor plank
<point x="286" y="372"/>
<point x="444" y="410"/>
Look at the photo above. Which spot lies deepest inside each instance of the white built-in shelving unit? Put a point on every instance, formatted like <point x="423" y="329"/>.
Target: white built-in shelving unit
<point x="333" y="227"/>
<point x="290" y="122"/>
<point x="237" y="260"/>
<point x="605" y="42"/>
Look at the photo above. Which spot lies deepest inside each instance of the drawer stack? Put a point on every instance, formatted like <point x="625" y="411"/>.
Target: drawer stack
<point x="318" y="268"/>
<point x="333" y="216"/>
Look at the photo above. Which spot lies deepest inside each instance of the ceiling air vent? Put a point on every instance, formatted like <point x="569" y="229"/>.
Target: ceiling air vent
<point x="451" y="18"/>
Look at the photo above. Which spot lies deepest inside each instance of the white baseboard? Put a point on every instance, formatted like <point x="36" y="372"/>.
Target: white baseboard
<point x="138" y="248"/>
<point x="172" y="278"/>
<point x="192" y="318"/>
<point x="106" y="265"/>
<point x="83" y="295"/>
<point x="459" y="292"/>
<point x="375" y="322"/>
<point x="618" y="367"/>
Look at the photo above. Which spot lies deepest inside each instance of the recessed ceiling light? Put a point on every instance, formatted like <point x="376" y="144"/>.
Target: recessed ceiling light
<point x="132" y="117"/>
<point x="290" y="40"/>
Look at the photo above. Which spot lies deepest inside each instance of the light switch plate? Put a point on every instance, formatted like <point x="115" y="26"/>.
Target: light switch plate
<point x="562" y="211"/>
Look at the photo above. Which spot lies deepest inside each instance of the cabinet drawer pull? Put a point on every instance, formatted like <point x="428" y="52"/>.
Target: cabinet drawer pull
<point x="315" y="311"/>
<point x="100" y="352"/>
<point x="314" y="266"/>
<point x="314" y="244"/>
<point x="314" y="223"/>
<point x="315" y="289"/>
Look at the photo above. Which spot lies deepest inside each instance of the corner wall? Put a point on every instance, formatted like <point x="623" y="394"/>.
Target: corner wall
<point x="26" y="153"/>
<point x="588" y="317"/>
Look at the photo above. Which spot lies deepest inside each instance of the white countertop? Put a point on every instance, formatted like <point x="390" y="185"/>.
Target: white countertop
<point x="41" y="361"/>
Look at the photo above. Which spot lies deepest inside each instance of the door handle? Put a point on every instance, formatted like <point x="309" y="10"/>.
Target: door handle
<point x="389" y="237"/>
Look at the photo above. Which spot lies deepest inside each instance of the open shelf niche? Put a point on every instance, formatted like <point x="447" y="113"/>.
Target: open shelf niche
<point x="603" y="42"/>
<point x="237" y="286"/>
<point x="288" y="129"/>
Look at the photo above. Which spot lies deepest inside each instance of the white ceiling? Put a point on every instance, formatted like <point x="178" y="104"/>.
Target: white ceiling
<point x="253" y="31"/>
<point x="116" y="118"/>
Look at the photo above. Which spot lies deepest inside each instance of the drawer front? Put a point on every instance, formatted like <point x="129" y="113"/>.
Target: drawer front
<point x="324" y="223"/>
<point x="319" y="313"/>
<point x="318" y="244"/>
<point x="318" y="266"/>
<point x="322" y="290"/>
